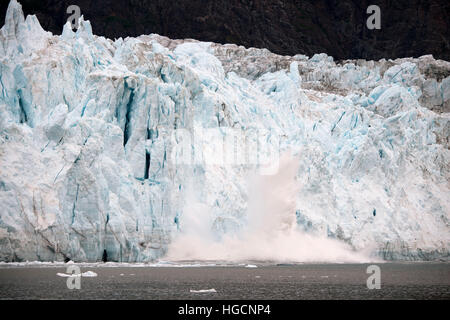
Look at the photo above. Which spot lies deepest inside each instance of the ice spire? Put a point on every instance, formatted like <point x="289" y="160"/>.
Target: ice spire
<point x="84" y="30"/>
<point x="14" y="17"/>
<point x="20" y="35"/>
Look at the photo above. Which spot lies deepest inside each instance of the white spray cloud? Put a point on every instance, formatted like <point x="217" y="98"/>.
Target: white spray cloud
<point x="271" y="233"/>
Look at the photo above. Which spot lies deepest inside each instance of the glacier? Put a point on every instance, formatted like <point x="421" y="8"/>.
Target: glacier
<point x="90" y="128"/>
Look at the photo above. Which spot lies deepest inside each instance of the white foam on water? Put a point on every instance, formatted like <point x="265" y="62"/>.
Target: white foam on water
<point x="158" y="264"/>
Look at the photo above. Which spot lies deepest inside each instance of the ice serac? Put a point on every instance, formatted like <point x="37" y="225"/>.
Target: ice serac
<point x="87" y="129"/>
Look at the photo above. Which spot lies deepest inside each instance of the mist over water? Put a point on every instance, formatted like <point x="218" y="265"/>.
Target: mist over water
<point x="271" y="233"/>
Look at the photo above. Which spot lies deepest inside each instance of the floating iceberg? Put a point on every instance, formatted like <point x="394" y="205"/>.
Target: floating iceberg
<point x="88" y="274"/>
<point x="92" y="132"/>
<point x="203" y="291"/>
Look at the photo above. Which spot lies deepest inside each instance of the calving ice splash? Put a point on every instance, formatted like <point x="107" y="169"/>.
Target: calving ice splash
<point x="270" y="232"/>
<point x="90" y="128"/>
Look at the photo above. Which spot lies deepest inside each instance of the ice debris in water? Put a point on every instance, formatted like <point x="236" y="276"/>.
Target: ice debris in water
<point x="203" y="291"/>
<point x="89" y="128"/>
<point x="89" y="274"/>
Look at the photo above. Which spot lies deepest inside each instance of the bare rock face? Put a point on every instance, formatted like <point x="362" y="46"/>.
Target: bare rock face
<point x="336" y="27"/>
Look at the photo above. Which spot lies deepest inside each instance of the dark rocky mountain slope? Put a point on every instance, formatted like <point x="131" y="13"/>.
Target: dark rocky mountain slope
<point x="336" y="27"/>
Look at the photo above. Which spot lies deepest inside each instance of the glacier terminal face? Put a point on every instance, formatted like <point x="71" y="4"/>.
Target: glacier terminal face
<point x="89" y="128"/>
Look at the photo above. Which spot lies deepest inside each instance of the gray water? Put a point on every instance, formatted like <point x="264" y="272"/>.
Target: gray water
<point x="308" y="281"/>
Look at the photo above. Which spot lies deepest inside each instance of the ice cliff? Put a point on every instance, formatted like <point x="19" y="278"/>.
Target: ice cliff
<point x="88" y="128"/>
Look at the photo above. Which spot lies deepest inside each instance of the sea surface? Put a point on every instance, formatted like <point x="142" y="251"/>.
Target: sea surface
<point x="424" y="280"/>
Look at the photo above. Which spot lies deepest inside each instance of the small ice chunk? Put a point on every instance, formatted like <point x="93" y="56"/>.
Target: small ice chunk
<point x="84" y="274"/>
<point x="203" y="291"/>
<point x="59" y="274"/>
<point x="251" y="266"/>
